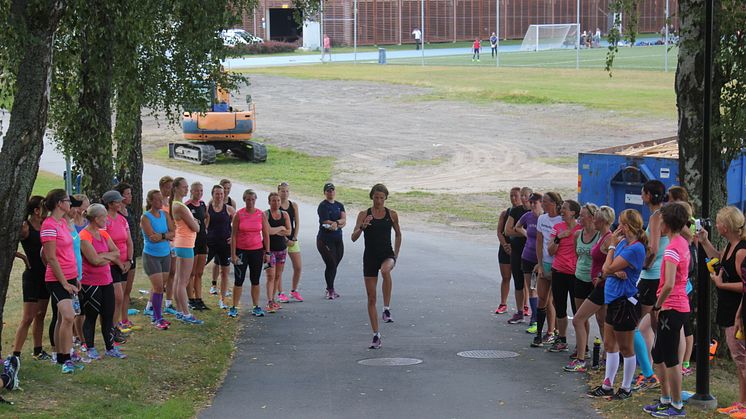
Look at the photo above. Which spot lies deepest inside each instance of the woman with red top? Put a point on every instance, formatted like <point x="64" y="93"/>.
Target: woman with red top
<point x="249" y="248"/>
<point x="477" y="46"/>
<point x="119" y="231"/>
<point x="125" y="210"/>
<point x="186" y="234"/>
<point x="61" y="273"/>
<point x="670" y="311"/>
<point x="562" y="247"/>
<point x="97" y="292"/>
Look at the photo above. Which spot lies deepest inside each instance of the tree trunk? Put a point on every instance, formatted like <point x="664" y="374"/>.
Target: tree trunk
<point x="24" y="141"/>
<point x="690" y="102"/>
<point x="128" y="137"/>
<point x="93" y="147"/>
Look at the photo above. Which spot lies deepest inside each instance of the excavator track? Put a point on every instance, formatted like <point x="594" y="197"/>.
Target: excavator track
<point x="193" y="152"/>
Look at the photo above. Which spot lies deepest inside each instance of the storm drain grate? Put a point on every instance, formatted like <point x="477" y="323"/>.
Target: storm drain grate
<point x="488" y="354"/>
<point x="389" y="362"/>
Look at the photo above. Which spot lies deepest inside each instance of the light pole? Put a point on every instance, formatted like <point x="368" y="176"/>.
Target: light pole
<point x="665" y="64"/>
<point x="422" y="30"/>
<point x="577" y="39"/>
<point x="354" y="32"/>
<point x="497" y="24"/>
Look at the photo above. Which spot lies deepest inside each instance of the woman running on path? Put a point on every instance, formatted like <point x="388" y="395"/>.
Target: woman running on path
<point x="376" y="224"/>
<point x="594" y="304"/>
<point x="626" y="255"/>
<point x="218" y="223"/>
<point x="35" y="294"/>
<point x="332" y="218"/>
<point x="585" y="239"/>
<point x="97" y="291"/>
<point x="199" y="212"/>
<point x="517" y="243"/>
<point x="61" y="275"/>
<point x="279" y="230"/>
<point x="551" y="203"/>
<point x="291" y="208"/>
<point x="562" y="248"/>
<point x="526" y="226"/>
<point x="157" y="230"/>
<point x="249" y="249"/>
<point x="186" y="234"/>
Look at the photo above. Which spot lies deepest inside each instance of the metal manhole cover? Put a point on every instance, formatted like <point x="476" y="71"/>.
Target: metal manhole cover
<point x="389" y="362"/>
<point x="488" y="354"/>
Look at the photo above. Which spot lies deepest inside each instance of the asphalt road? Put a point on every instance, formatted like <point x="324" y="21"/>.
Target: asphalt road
<point x="302" y="362"/>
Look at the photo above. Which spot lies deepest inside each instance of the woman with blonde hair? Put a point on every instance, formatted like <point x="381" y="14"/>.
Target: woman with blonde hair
<point x="186" y="234"/>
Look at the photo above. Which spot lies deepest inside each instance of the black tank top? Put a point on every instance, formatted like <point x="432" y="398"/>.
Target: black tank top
<point x="291" y="214"/>
<point x="276" y="242"/>
<point x="199" y="212"/>
<point x="378" y="233"/>
<point x="728" y="301"/>
<point x="32" y="248"/>
<point x="220" y="225"/>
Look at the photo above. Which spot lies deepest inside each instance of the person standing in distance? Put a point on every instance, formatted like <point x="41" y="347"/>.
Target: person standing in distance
<point x="376" y="224"/>
<point x="417" y="33"/>
<point x="493" y="44"/>
<point x="477" y="46"/>
<point x="327" y="48"/>
<point x="332" y="217"/>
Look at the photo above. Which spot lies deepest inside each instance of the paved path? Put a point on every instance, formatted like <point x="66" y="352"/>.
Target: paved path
<point x="303" y="361"/>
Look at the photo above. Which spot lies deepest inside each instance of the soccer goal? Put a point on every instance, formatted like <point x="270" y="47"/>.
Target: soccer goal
<point x="544" y="37"/>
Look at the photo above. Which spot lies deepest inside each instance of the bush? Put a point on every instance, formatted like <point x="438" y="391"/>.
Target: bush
<point x="266" y="47"/>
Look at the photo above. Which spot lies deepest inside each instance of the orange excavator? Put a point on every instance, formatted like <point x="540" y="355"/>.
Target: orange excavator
<point x="221" y="130"/>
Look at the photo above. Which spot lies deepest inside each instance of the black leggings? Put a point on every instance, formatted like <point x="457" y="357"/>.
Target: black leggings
<point x="251" y="260"/>
<point x="331" y="252"/>
<point x="53" y="322"/>
<point x="562" y="286"/>
<point x="666" y="346"/>
<point x="95" y="300"/>
<point x="516" y="261"/>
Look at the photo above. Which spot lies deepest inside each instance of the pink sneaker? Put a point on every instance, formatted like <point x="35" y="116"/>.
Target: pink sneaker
<point x="295" y="295"/>
<point x="501" y="309"/>
<point x="283" y="298"/>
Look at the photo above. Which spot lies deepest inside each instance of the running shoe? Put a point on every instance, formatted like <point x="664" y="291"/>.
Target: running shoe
<point x="532" y="328"/>
<point x="328" y="294"/>
<point x="295" y="295"/>
<point x="549" y="338"/>
<point x="42" y="356"/>
<point x="526" y="311"/>
<point x="735" y="407"/>
<point x="576" y="365"/>
<point x="192" y="305"/>
<point x="600" y="391"/>
<point x="517" y="318"/>
<point x="655" y="407"/>
<point x="622" y="394"/>
<point x="93" y="354"/>
<point x="202" y="305"/>
<point x="686" y="371"/>
<point x="222" y="305"/>
<point x="386" y="316"/>
<point x="376" y="344"/>
<point x="84" y="348"/>
<point x="213" y="290"/>
<point x="334" y="294"/>
<point x="170" y="310"/>
<point x="283" y="298"/>
<point x="160" y="325"/>
<point x="233" y="312"/>
<point x="228" y="293"/>
<point x="642" y="383"/>
<point x="739" y="414"/>
<point x="118" y="337"/>
<point x="558" y="346"/>
<point x="166" y="322"/>
<point x="148" y="312"/>
<point x="257" y="311"/>
<point x="270" y="308"/>
<point x="501" y="309"/>
<point x="115" y="353"/>
<point x="11" y="365"/>
<point x="537" y="343"/>
<point x="131" y="325"/>
<point x="669" y="412"/>
<point x="277" y="305"/>
<point x="68" y="367"/>
<point x="190" y="319"/>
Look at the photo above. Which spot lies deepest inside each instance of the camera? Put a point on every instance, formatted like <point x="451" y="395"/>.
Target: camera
<point x="701" y="223"/>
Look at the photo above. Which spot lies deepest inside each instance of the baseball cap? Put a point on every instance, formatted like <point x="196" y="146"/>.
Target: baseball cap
<point x="111" y="196"/>
<point x="75" y="203"/>
<point x="329" y="186"/>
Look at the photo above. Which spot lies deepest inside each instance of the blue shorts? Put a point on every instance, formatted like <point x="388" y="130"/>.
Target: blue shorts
<point x="184" y="252"/>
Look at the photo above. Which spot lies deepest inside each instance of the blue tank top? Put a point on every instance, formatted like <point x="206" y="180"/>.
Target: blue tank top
<point x="653" y="272"/>
<point x="160" y="226"/>
<point x="76" y="249"/>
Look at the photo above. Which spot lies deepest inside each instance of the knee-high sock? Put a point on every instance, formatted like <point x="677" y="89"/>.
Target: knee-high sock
<point x="540" y="318"/>
<point x="157" y="303"/>
<point x="612" y="366"/>
<point x="534" y="303"/>
<point x="643" y="357"/>
<point x="629" y="372"/>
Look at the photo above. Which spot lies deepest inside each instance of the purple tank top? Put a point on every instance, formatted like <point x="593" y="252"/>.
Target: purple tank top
<point x="220" y="225"/>
<point x="598" y="257"/>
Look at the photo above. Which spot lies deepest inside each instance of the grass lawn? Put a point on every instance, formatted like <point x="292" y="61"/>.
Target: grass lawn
<point x="635" y="92"/>
<point x="171" y="373"/>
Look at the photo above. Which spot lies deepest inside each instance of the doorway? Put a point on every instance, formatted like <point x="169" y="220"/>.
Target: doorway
<point x="283" y="26"/>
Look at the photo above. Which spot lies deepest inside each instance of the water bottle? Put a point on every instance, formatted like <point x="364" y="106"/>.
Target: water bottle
<point x="534" y="280"/>
<point x="76" y="304"/>
<point x="596" y="353"/>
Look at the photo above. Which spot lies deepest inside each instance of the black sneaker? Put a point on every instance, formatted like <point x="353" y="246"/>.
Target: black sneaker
<point x="376" y="344"/>
<point x="118" y="336"/>
<point x="42" y="356"/>
<point x="192" y="305"/>
<point x="202" y="305"/>
<point x="537" y="343"/>
<point x="600" y="391"/>
<point x="622" y="394"/>
<point x="11" y="366"/>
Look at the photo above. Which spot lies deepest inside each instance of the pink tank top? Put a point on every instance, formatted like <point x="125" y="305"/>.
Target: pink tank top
<point x="598" y="257"/>
<point x="185" y="237"/>
<point x="249" y="236"/>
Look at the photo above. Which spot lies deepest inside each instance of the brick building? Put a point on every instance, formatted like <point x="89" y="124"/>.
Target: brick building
<point x="392" y="21"/>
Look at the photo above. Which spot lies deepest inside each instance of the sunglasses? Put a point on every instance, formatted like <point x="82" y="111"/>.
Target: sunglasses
<point x="590" y="210"/>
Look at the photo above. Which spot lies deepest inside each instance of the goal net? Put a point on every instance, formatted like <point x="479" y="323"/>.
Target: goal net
<point x="544" y="37"/>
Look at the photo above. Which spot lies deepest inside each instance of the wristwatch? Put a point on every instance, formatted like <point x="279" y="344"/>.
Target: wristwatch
<point x="163" y="236"/>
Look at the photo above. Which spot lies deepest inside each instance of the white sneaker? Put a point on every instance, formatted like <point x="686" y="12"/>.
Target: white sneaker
<point x="213" y="290"/>
<point x="228" y="293"/>
<point x="222" y="305"/>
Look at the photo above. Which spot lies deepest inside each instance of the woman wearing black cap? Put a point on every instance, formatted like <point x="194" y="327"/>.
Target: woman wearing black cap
<point x="332" y="218"/>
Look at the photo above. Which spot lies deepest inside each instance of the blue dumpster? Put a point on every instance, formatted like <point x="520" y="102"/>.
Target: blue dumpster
<point x="381" y="55"/>
<point x="607" y="177"/>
